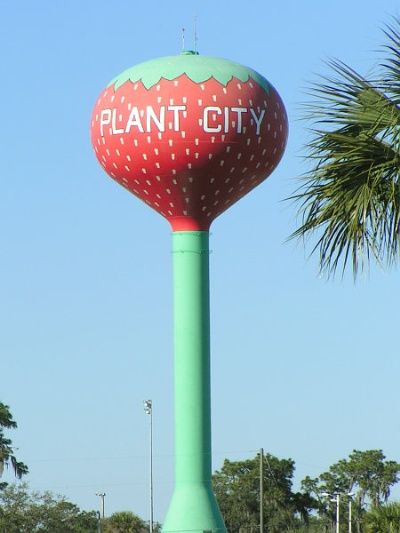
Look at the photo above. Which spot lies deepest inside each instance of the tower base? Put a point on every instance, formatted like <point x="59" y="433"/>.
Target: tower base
<point x="193" y="509"/>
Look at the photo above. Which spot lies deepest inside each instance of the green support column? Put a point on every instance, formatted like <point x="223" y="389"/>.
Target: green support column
<point x="193" y="507"/>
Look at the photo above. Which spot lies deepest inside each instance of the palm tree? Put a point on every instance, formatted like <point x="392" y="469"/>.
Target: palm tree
<point x="383" y="519"/>
<point x="351" y="195"/>
<point x="7" y="456"/>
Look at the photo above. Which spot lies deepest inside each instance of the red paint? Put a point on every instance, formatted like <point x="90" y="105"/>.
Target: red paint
<point x="190" y="176"/>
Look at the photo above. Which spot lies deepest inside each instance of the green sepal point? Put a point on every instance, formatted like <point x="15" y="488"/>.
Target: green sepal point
<point x="197" y="67"/>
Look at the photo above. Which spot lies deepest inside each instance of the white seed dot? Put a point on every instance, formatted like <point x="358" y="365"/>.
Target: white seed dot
<point x="127" y="168"/>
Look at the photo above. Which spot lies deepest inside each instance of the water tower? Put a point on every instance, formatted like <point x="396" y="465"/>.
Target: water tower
<point x="190" y="135"/>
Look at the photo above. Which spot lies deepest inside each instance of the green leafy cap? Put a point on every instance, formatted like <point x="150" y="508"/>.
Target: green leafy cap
<point x="197" y="67"/>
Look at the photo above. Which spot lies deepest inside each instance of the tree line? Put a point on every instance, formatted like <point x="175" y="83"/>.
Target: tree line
<point x="364" y="479"/>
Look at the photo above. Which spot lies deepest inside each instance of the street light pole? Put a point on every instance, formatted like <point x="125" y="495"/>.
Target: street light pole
<point x="337" y="512"/>
<point x="261" y="490"/>
<point x="102" y="496"/>
<point x="148" y="409"/>
<point x="350" y="496"/>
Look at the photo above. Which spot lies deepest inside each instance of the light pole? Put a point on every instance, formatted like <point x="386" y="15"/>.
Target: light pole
<point x="261" y="490"/>
<point x="148" y="409"/>
<point x="102" y="496"/>
<point x="335" y="497"/>
<point x="350" y="495"/>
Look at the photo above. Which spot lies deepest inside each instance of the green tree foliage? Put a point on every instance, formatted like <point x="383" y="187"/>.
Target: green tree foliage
<point x="365" y="474"/>
<point x="23" y="511"/>
<point x="351" y="195"/>
<point x="383" y="519"/>
<point x="127" y="522"/>
<point x="236" y="487"/>
<point x="7" y="457"/>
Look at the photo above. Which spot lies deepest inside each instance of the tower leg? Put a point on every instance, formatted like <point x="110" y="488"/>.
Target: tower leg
<point x="193" y="507"/>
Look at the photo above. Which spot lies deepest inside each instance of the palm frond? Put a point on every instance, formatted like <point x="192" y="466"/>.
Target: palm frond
<point x="351" y="196"/>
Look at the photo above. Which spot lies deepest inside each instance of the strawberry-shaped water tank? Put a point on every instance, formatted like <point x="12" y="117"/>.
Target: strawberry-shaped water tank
<point x="189" y="135"/>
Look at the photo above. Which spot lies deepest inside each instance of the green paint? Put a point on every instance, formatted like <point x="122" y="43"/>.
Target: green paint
<point x="197" y="67"/>
<point x="193" y="507"/>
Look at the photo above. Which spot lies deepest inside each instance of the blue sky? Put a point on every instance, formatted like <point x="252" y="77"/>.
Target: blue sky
<point x="303" y="367"/>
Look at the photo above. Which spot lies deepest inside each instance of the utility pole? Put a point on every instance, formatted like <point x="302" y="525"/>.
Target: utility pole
<point x="261" y="490"/>
<point x="148" y="409"/>
<point x="102" y="496"/>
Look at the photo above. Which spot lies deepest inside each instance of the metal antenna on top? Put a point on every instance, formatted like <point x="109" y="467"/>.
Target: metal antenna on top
<point x="195" y="34"/>
<point x="183" y="39"/>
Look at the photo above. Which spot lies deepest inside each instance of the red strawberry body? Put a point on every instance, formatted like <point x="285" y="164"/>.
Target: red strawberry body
<point x="189" y="148"/>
